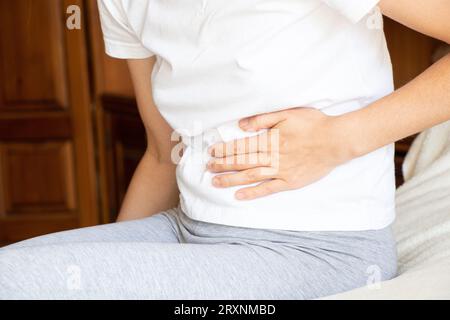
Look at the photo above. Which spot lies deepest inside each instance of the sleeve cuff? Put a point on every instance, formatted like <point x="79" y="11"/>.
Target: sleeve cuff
<point x="354" y="10"/>
<point x="360" y="11"/>
<point x="126" y="51"/>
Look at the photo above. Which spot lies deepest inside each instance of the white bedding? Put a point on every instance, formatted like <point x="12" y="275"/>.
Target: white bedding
<point x="422" y="227"/>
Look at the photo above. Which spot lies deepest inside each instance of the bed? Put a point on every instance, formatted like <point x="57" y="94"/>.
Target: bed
<point x="422" y="226"/>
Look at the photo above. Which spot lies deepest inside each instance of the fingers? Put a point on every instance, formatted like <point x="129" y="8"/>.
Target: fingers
<point x="244" y="177"/>
<point x="261" y="190"/>
<point x="262" y="143"/>
<point x="239" y="162"/>
<point x="263" y="121"/>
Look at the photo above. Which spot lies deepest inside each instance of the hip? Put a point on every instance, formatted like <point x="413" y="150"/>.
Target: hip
<point x="358" y="253"/>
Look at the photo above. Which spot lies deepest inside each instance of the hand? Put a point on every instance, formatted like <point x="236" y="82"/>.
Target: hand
<point x="301" y="146"/>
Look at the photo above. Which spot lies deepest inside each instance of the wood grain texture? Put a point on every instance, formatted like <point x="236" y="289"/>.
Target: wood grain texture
<point x="47" y="159"/>
<point x="37" y="178"/>
<point x="32" y="55"/>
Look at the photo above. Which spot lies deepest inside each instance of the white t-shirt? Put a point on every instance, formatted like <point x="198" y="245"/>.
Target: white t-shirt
<point x="221" y="60"/>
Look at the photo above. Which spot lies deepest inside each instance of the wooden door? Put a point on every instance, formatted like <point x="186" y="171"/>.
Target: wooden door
<point x="47" y="163"/>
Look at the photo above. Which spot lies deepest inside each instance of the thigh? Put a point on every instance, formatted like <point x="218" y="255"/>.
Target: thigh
<point x="124" y="270"/>
<point x="157" y="228"/>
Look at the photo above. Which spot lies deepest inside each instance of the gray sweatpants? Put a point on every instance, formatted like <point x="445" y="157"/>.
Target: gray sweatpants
<point x="170" y="256"/>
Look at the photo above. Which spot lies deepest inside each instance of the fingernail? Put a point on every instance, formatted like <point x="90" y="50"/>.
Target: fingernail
<point x="240" y="195"/>
<point x="210" y="150"/>
<point x="209" y="165"/>
<point x="244" y="123"/>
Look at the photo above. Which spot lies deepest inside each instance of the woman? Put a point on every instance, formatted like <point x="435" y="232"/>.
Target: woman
<point x="295" y="200"/>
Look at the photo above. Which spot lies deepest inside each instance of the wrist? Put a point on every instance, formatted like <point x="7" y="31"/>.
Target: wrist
<point x="347" y="136"/>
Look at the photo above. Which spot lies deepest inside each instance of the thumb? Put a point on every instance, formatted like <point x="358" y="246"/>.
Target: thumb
<point x="262" y="121"/>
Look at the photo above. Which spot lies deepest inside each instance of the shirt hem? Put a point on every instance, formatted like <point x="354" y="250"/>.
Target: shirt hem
<point x="216" y="215"/>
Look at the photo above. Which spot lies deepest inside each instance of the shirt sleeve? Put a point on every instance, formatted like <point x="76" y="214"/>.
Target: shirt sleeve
<point x="354" y="10"/>
<point x="120" y="39"/>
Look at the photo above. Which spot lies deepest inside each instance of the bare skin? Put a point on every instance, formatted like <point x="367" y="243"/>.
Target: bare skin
<point x="306" y="152"/>
<point x="153" y="187"/>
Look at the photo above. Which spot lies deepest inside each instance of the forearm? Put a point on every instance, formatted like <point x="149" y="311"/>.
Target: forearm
<point x="421" y="104"/>
<point x="152" y="189"/>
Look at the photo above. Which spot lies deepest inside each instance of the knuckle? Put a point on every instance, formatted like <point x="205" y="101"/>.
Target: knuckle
<point x="283" y="142"/>
<point x="252" y="175"/>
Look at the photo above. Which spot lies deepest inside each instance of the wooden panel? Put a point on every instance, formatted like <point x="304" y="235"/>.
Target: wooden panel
<point x="81" y="116"/>
<point x="37" y="178"/>
<point x="32" y="126"/>
<point x="24" y="227"/>
<point x="124" y="145"/>
<point x="120" y="133"/>
<point x="47" y="158"/>
<point x="111" y="75"/>
<point x="32" y="69"/>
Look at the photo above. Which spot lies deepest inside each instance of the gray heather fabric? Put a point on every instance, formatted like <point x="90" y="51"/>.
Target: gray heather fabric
<point x="170" y="256"/>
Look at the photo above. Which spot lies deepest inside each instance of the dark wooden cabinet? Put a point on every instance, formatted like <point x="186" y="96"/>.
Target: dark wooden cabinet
<point x="70" y="133"/>
<point x="47" y="168"/>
